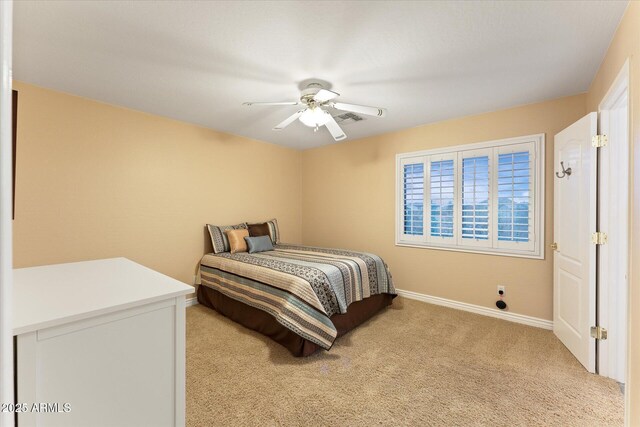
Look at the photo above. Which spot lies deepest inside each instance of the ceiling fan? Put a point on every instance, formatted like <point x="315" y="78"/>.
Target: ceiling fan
<point x="315" y="99"/>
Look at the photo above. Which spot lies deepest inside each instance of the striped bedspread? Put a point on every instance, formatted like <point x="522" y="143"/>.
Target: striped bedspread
<point x="301" y="286"/>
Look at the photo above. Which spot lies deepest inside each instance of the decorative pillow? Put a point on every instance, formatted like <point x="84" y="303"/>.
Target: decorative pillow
<point x="262" y="229"/>
<point x="219" y="239"/>
<point x="259" y="244"/>
<point x="273" y="230"/>
<point x="258" y="230"/>
<point x="236" y="240"/>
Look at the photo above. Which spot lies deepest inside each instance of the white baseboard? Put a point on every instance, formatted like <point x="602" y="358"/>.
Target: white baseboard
<point x="477" y="309"/>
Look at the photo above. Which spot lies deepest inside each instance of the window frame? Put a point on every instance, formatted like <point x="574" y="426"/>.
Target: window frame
<point x="492" y="246"/>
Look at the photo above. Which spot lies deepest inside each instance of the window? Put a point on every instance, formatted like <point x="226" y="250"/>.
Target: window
<point x="486" y="197"/>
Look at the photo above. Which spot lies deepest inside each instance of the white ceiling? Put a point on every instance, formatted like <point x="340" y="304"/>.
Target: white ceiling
<point x="423" y="61"/>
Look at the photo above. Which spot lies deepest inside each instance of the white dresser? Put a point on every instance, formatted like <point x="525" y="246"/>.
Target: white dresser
<point x="101" y="342"/>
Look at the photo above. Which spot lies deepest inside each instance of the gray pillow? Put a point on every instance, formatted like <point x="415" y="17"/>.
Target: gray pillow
<point x="259" y="244"/>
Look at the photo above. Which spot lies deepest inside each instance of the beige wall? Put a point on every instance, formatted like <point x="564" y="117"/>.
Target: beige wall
<point x="349" y="201"/>
<point x="96" y="181"/>
<point x="626" y="44"/>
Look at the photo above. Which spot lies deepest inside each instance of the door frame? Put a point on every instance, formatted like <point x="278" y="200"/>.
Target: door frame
<point x="6" y="239"/>
<point x="613" y="260"/>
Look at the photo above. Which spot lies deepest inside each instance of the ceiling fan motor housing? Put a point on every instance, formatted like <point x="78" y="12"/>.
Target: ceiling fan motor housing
<point x="307" y="94"/>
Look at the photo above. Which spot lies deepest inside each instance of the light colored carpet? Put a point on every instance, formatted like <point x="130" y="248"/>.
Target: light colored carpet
<point x="413" y="364"/>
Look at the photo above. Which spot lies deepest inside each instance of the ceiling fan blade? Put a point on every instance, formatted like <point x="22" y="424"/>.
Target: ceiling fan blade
<point x="292" y="118"/>
<point x="271" y="103"/>
<point x="334" y="129"/>
<point x="362" y="109"/>
<point x="324" y="95"/>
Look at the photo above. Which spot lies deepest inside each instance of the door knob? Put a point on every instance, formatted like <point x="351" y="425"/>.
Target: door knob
<point x="554" y="246"/>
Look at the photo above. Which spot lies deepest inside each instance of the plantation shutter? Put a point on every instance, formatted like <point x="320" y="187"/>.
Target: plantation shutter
<point x="442" y="195"/>
<point x="515" y="201"/>
<point x="413" y="174"/>
<point x="476" y="206"/>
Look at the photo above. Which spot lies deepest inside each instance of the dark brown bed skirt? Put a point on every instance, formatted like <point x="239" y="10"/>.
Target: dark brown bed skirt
<point x="260" y="321"/>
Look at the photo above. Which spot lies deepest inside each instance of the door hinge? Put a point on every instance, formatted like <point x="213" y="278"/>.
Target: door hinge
<point x="599" y="238"/>
<point x="598" y="332"/>
<point x="599" y="141"/>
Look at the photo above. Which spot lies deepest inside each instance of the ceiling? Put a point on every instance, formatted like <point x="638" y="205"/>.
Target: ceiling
<point x="424" y="61"/>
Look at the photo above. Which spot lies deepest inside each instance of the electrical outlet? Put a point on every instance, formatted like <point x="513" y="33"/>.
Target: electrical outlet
<point x="501" y="288"/>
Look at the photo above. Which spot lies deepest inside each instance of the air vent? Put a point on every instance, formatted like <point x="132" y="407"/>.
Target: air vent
<point x="347" y="118"/>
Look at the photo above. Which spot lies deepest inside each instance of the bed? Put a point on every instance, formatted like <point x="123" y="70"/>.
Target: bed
<point x="300" y="296"/>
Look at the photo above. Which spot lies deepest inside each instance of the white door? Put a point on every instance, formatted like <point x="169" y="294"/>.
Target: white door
<point x="574" y="260"/>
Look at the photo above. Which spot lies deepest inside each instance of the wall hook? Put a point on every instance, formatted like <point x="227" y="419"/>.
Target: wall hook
<point x="566" y="171"/>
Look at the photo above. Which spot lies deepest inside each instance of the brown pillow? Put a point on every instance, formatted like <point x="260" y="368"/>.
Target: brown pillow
<point x="256" y="230"/>
<point x="236" y="240"/>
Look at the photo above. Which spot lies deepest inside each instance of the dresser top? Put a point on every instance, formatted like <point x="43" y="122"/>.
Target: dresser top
<point x="52" y="295"/>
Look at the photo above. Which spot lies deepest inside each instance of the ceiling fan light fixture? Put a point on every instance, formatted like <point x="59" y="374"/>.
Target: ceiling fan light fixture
<point x="314" y="117"/>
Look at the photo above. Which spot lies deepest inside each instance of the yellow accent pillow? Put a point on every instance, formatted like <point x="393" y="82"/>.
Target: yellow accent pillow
<point x="236" y="240"/>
